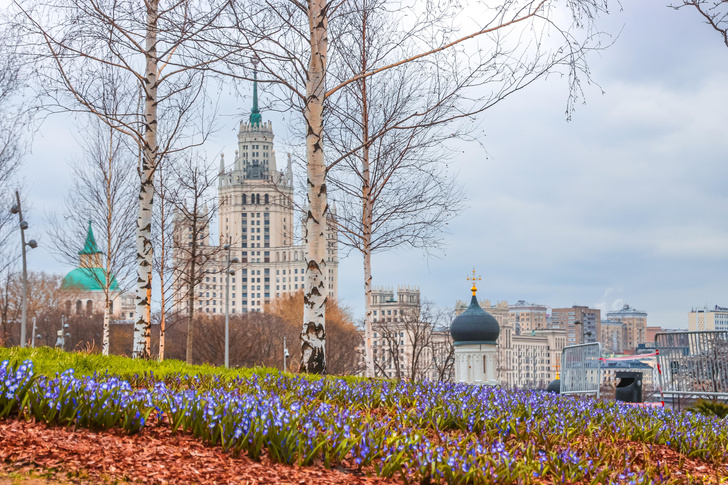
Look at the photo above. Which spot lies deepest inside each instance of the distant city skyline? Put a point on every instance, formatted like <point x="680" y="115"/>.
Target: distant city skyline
<point x="621" y="205"/>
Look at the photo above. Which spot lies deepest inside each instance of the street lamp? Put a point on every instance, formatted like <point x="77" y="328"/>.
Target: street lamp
<point x="228" y="272"/>
<point x="62" y="334"/>
<point x="17" y="209"/>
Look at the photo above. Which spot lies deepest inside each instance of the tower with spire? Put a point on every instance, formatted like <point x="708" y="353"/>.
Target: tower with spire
<point x="83" y="288"/>
<point x="257" y="219"/>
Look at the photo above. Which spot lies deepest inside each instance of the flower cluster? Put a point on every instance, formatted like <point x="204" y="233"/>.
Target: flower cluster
<point x="422" y="432"/>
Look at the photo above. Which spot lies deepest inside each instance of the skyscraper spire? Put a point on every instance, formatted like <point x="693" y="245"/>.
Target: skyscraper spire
<point x="255" y="117"/>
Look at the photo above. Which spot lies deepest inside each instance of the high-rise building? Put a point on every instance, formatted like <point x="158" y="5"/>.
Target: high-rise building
<point x="635" y="323"/>
<point x="528" y="316"/>
<point x="708" y="319"/>
<point x="611" y="335"/>
<point x="256" y="218"/>
<point x="566" y="318"/>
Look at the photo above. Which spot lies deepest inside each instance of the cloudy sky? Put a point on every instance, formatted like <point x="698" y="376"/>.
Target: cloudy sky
<point x="626" y="203"/>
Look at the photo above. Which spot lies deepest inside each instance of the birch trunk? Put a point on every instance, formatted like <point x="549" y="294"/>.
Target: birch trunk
<point x="191" y="284"/>
<point x="313" y="333"/>
<point x="109" y="246"/>
<point x="162" y="264"/>
<point x="107" y="321"/>
<point x="366" y="210"/>
<point x="142" y="326"/>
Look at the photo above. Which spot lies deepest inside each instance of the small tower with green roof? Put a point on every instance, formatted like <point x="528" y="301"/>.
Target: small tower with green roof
<point x="89" y="276"/>
<point x="90" y="255"/>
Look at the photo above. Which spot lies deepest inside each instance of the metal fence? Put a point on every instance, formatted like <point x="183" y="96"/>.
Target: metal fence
<point x="693" y="363"/>
<point x="581" y="369"/>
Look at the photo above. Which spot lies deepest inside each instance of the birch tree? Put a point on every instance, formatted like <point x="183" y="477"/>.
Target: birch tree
<point x="102" y="193"/>
<point x="163" y="233"/>
<point x="157" y="50"/>
<point x="291" y="44"/>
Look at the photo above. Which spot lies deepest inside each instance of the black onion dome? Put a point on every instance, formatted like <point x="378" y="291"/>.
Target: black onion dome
<point x="474" y="326"/>
<point x="554" y="386"/>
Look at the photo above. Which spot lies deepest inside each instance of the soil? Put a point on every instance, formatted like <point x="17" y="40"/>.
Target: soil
<point x="154" y="456"/>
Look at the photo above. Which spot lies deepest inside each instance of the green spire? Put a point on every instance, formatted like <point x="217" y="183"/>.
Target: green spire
<point x="255" y="117"/>
<point x="90" y="246"/>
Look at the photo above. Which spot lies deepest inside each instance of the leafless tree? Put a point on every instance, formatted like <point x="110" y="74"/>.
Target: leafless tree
<point x="102" y="193"/>
<point x="389" y="169"/>
<point x="291" y="44"/>
<point x="15" y="133"/>
<point x="163" y="235"/>
<point x="44" y="294"/>
<point x="413" y="348"/>
<point x="189" y="194"/>
<point x="714" y="13"/>
<point x="443" y="356"/>
<point x="158" y="54"/>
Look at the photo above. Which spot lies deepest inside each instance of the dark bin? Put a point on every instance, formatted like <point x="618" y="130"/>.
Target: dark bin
<point x="629" y="388"/>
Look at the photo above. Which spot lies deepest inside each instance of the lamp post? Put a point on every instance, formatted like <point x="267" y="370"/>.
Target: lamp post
<point x="228" y="272"/>
<point x="17" y="209"/>
<point x="62" y="334"/>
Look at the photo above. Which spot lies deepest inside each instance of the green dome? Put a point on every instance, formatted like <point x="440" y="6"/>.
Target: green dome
<point x="87" y="279"/>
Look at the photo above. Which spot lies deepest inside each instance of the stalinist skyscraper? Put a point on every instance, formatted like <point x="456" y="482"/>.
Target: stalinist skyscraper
<point x="256" y="217"/>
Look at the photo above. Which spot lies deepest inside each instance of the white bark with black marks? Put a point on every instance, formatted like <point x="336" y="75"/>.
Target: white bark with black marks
<point x="313" y="333"/>
<point x="142" y="316"/>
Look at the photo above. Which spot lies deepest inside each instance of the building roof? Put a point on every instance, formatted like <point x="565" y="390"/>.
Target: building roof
<point x="474" y="326"/>
<point x="527" y="305"/>
<point x="87" y="279"/>
<point x="90" y="246"/>
<point x="626" y="311"/>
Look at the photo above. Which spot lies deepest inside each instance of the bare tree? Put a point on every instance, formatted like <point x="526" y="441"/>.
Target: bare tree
<point x="443" y="356"/>
<point x="189" y="193"/>
<point x="389" y="173"/>
<point x="164" y="242"/>
<point x="102" y="192"/>
<point x="291" y="43"/>
<point x="714" y="13"/>
<point x="413" y="346"/>
<point x="158" y="54"/>
<point x="15" y="133"/>
<point x="44" y="294"/>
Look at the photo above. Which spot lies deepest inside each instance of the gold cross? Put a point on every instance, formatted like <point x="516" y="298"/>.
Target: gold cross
<point x="558" y="368"/>
<point x="473" y="279"/>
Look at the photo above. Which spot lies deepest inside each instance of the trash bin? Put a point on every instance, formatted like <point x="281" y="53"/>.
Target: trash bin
<point x="629" y="388"/>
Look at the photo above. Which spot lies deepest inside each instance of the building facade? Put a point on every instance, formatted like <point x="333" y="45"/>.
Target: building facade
<point x="256" y="219"/>
<point x="404" y="344"/>
<point x="611" y="336"/>
<point x="590" y="319"/>
<point x="708" y="319"/>
<point x="635" y="326"/>
<point x="528" y="316"/>
<point x="530" y="360"/>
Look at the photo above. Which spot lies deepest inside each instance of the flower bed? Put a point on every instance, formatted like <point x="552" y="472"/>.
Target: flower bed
<point x="421" y="433"/>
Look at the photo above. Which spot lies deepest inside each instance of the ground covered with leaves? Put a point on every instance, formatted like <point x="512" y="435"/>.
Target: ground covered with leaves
<point x="107" y="424"/>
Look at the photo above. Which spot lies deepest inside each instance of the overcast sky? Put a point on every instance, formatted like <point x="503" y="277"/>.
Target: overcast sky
<point x="626" y="203"/>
